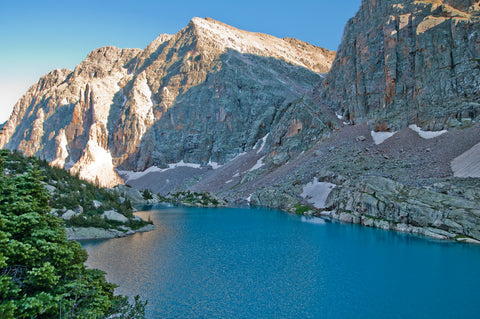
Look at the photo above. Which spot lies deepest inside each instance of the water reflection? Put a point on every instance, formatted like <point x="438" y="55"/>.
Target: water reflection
<point x="313" y="220"/>
<point x="263" y="263"/>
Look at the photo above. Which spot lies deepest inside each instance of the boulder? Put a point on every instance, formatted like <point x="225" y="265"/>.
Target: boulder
<point x="51" y="189"/>
<point x="113" y="215"/>
<point x="96" y="203"/>
<point x="69" y="214"/>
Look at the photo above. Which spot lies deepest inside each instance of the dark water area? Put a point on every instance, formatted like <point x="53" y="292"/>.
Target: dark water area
<point x="259" y="263"/>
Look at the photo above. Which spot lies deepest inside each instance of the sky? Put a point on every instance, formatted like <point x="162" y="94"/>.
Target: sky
<point x="39" y="36"/>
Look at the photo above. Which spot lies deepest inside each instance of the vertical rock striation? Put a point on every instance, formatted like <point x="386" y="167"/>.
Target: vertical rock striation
<point x="205" y="94"/>
<point x="404" y="61"/>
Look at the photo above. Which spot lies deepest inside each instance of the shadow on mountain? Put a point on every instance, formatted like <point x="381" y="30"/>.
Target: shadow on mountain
<point x="61" y="118"/>
<point x="227" y="114"/>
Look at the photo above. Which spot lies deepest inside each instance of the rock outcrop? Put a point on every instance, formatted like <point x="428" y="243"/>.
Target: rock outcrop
<point x="205" y="94"/>
<point x="263" y="127"/>
<point x="383" y="203"/>
<point x="408" y="62"/>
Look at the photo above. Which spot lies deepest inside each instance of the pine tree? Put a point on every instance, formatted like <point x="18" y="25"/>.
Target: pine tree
<point x="42" y="274"/>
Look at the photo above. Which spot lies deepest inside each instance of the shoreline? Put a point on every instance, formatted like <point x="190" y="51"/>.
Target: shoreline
<point x="89" y="233"/>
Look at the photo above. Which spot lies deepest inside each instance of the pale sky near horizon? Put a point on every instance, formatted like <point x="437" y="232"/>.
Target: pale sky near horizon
<point x="39" y="36"/>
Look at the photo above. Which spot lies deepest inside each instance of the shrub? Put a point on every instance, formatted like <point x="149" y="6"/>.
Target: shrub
<point x="301" y="209"/>
<point x="42" y="274"/>
<point x="147" y="194"/>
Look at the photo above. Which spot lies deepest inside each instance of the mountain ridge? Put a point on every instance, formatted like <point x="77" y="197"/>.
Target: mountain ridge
<point x="113" y="98"/>
<point x="189" y="113"/>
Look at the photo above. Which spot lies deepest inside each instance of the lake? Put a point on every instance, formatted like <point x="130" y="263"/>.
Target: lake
<point x="260" y="263"/>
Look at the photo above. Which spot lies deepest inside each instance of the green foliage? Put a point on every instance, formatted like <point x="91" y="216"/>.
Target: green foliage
<point x="85" y="220"/>
<point x="71" y="192"/>
<point x="42" y="274"/>
<point x="301" y="209"/>
<point x="147" y="194"/>
<point x="189" y="198"/>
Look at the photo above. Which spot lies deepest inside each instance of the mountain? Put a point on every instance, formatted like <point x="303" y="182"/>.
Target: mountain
<point x="408" y="62"/>
<point x="388" y="138"/>
<point x="203" y="95"/>
<point x="404" y="83"/>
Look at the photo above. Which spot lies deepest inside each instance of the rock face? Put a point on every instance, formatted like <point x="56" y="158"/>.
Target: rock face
<point x="380" y="202"/>
<point x="207" y="93"/>
<point x="212" y="94"/>
<point x="404" y="62"/>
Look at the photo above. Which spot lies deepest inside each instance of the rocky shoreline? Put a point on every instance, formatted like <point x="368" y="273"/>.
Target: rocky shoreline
<point x="87" y="233"/>
<point x="391" y="131"/>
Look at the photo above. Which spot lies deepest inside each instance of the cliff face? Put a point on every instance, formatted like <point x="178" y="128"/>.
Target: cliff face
<point x="404" y="62"/>
<point x="215" y="94"/>
<point x="63" y="118"/>
<point x="207" y="93"/>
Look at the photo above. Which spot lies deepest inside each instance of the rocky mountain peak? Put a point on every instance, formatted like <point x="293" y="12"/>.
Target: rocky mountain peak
<point x="153" y="46"/>
<point x="105" y="60"/>
<point x="220" y="36"/>
<point x="46" y="83"/>
<point x="206" y="93"/>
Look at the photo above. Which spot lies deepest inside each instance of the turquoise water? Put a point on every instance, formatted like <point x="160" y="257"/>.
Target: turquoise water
<point x="258" y="263"/>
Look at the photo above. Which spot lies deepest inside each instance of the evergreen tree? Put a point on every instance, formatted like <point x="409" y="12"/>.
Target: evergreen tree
<point x="42" y="274"/>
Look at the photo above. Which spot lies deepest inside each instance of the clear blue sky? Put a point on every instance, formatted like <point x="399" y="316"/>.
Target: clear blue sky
<point x="39" y="36"/>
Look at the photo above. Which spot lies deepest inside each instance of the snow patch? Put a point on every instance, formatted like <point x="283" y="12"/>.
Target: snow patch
<point x="64" y="101"/>
<point x="132" y="175"/>
<point x="316" y="193"/>
<point x="426" y="134"/>
<point x="96" y="165"/>
<point x="467" y="164"/>
<point x="69" y="164"/>
<point x="214" y="165"/>
<point x="339" y="116"/>
<point x="380" y="137"/>
<point x="154" y="102"/>
<point x="263" y="141"/>
<point x="257" y="165"/>
<point x="183" y="164"/>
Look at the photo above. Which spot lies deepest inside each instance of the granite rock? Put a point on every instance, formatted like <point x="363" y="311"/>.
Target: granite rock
<point x="384" y="203"/>
<point x="113" y="215"/>
<point x="404" y="62"/>
<point x="207" y="93"/>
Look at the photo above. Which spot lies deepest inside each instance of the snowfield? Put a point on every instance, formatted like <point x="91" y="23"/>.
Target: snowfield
<point x="467" y="164"/>
<point x="426" y="134"/>
<point x="316" y="193"/>
<point x="131" y="175"/>
<point x="380" y="137"/>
